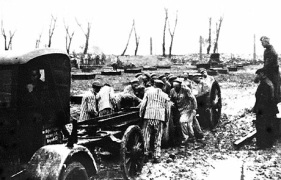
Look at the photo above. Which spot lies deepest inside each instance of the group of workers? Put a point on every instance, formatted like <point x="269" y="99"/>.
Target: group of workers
<point x="156" y="97"/>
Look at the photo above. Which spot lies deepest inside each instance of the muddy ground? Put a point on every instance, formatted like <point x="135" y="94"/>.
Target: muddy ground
<point x="216" y="158"/>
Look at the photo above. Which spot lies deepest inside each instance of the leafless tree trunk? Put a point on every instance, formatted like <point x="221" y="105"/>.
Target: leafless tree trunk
<point x="164" y="32"/>
<point x="52" y="29"/>
<point x="254" y="55"/>
<point x="200" y="49"/>
<point x="123" y="53"/>
<point x="68" y="38"/>
<point x="172" y="34"/>
<point x="150" y="45"/>
<point x="137" y="40"/>
<point x="87" y="35"/>
<point x="7" y="41"/>
<point x="210" y="40"/>
<point x="217" y="35"/>
<point x="38" y="41"/>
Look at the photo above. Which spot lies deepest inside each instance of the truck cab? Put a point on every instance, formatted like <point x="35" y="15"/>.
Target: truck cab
<point x="34" y="105"/>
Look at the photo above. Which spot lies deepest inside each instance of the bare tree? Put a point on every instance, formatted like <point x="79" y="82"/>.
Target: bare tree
<point x="7" y="40"/>
<point x="164" y="32"/>
<point x="217" y="34"/>
<point x="200" y="48"/>
<point x="150" y="45"/>
<point x="254" y="54"/>
<point x="52" y="28"/>
<point x="133" y="25"/>
<point x="68" y="37"/>
<point x="87" y="35"/>
<point x="38" y="41"/>
<point x="209" y="40"/>
<point x="172" y="34"/>
<point x="137" y="40"/>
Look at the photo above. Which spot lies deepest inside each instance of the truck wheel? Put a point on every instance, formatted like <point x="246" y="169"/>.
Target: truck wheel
<point x="215" y="105"/>
<point x="132" y="152"/>
<point x="74" y="171"/>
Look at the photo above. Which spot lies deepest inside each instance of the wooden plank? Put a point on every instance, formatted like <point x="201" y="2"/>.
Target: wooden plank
<point x="164" y="67"/>
<point x="232" y="68"/>
<point x="150" y="68"/>
<point x="133" y="70"/>
<point x="111" y="119"/>
<point x="203" y="65"/>
<point x="243" y="140"/>
<point x="83" y="76"/>
<point x="111" y="73"/>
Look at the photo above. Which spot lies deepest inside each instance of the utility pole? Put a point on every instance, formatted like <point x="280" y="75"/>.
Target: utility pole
<point x="209" y="40"/>
<point x="164" y="33"/>
<point x="150" y="45"/>
<point x="200" y="49"/>
<point x="255" y="56"/>
<point x="218" y="27"/>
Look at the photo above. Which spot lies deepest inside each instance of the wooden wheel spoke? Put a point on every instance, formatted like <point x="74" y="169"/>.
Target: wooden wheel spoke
<point x="132" y="148"/>
<point x="129" y="164"/>
<point x="138" y="165"/>
<point x="133" y="169"/>
<point x="128" y="160"/>
<point x="137" y="137"/>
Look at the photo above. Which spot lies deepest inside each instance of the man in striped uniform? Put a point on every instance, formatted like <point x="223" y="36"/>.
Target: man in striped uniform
<point x="88" y="105"/>
<point x="153" y="111"/>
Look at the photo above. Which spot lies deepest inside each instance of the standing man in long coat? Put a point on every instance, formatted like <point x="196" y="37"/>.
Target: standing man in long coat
<point x="265" y="109"/>
<point x="271" y="66"/>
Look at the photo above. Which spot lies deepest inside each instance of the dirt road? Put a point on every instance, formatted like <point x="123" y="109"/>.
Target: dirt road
<point x="215" y="158"/>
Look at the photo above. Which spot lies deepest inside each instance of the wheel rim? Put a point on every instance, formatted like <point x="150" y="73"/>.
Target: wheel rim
<point x="215" y="106"/>
<point x="76" y="174"/>
<point x="133" y="154"/>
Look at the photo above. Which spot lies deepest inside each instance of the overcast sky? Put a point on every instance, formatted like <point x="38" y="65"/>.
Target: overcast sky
<point x="112" y="20"/>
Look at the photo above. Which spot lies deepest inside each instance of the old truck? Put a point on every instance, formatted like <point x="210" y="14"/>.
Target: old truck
<point x="35" y="139"/>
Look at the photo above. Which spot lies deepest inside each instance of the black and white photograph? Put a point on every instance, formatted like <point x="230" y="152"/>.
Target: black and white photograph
<point x="140" y="90"/>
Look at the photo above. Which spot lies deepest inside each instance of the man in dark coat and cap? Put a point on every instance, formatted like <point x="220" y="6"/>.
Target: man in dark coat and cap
<point x="265" y="109"/>
<point x="271" y="66"/>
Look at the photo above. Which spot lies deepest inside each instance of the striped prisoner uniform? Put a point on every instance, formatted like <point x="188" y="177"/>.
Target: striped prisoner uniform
<point x="153" y="111"/>
<point x="88" y="107"/>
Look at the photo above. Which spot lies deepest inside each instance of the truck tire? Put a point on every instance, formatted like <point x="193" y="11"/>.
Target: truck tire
<point x="215" y="105"/>
<point x="209" y="107"/>
<point x="132" y="152"/>
<point x="74" y="171"/>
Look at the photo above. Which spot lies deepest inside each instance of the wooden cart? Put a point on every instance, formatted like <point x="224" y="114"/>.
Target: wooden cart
<point x="119" y="134"/>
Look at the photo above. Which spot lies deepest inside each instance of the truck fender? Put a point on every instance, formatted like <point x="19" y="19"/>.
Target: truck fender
<point x="50" y="161"/>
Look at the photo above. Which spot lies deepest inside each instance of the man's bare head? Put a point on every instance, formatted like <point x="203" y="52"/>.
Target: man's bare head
<point x="265" y="41"/>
